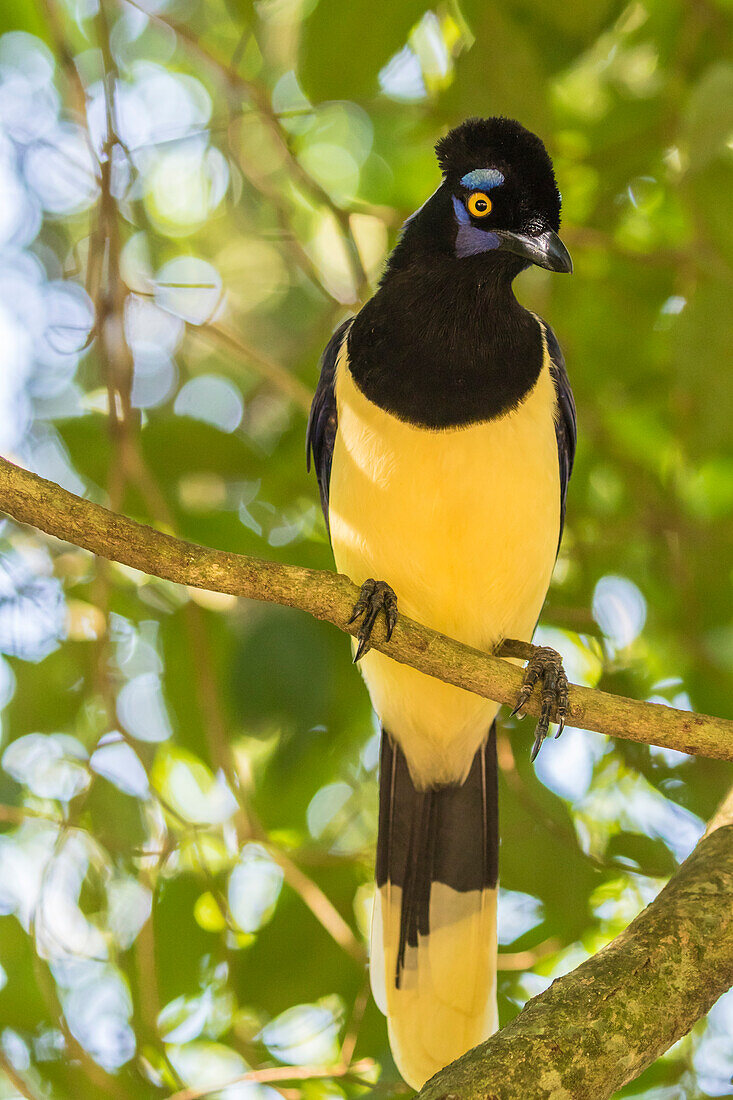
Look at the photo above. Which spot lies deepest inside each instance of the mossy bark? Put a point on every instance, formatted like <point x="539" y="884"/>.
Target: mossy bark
<point x="600" y="1026"/>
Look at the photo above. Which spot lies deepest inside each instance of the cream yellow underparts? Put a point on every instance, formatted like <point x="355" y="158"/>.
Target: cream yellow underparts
<point x="446" y="1002"/>
<point x="463" y="524"/>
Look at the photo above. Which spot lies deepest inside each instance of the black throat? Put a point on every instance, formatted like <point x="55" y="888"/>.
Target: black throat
<point x="444" y="343"/>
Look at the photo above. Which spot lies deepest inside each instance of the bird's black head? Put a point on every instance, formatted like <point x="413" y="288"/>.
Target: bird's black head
<point x="510" y="164"/>
<point x="498" y="199"/>
<point x="444" y="342"/>
<point x="503" y="192"/>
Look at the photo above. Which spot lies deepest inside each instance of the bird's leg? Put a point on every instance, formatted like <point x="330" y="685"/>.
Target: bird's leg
<point x="543" y="664"/>
<point x="375" y="596"/>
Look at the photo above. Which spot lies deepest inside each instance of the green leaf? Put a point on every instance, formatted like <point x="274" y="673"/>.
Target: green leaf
<point x="501" y="72"/>
<point x="709" y="115"/>
<point x="341" y="55"/>
<point x="24" y="15"/>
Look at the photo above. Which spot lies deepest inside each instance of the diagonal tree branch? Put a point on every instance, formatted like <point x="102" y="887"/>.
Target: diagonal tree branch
<point x="331" y="596"/>
<point x="600" y="1026"/>
<point x="269" y="369"/>
<point x="260" y="102"/>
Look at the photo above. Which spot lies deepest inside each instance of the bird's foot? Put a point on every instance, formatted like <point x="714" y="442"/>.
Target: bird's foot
<point x="545" y="664"/>
<point x="375" y="596"/>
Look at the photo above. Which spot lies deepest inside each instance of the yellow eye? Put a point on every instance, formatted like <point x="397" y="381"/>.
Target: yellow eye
<point x="479" y="204"/>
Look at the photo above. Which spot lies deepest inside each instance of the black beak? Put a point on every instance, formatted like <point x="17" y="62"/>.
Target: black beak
<point x="546" y="250"/>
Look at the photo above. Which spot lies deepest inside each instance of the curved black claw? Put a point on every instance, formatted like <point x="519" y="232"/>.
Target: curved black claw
<point x="545" y="664"/>
<point x="375" y="596"/>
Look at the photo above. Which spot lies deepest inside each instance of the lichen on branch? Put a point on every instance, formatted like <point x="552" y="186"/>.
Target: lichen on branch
<point x="600" y="1026"/>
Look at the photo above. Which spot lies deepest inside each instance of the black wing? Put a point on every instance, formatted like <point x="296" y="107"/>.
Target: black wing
<point x="566" y="427"/>
<point x="320" y="434"/>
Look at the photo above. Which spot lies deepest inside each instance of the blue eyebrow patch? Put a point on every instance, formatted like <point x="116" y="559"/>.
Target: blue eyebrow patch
<point x="482" y="179"/>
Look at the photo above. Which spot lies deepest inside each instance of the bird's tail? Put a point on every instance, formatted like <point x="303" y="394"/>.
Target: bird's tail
<point x="433" y="953"/>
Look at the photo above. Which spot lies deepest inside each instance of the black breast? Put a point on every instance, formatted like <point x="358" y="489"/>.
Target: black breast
<point x="445" y="345"/>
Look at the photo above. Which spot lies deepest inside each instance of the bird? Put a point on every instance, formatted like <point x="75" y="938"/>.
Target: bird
<point x="443" y="434"/>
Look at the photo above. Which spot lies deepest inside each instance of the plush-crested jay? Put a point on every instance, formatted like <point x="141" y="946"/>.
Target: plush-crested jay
<point x="443" y="435"/>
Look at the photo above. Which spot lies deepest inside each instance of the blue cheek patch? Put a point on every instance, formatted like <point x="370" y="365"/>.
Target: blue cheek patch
<point x="470" y="240"/>
<point x="464" y="218"/>
<point x="482" y="179"/>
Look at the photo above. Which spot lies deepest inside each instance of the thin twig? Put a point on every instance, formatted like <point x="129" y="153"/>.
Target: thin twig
<point x="269" y="369"/>
<point x="355" y="1021"/>
<point x="283" y="208"/>
<point x="16" y="815"/>
<point x="525" y="960"/>
<point x="258" y="98"/>
<point x="65" y="55"/>
<point x="111" y="293"/>
<point x="14" y="1077"/>
<point x="322" y="908"/>
<point x="281" y="1073"/>
<point x="105" y="1083"/>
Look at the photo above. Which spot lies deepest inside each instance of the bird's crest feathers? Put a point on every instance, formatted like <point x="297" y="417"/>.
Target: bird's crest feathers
<point x="504" y="145"/>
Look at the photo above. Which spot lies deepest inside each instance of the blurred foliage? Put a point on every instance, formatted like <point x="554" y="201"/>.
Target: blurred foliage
<point x="194" y="193"/>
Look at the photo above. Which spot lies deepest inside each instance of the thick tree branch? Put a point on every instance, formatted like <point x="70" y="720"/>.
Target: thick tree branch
<point x="330" y="596"/>
<point x="600" y="1026"/>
